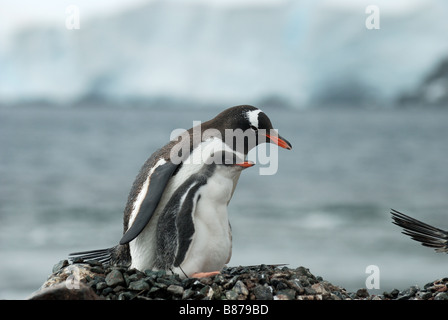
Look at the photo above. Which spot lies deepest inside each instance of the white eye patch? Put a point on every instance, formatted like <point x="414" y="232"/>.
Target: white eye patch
<point x="253" y="117"/>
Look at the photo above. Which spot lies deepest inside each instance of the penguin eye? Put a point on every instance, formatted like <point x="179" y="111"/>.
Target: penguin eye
<point x="254" y="128"/>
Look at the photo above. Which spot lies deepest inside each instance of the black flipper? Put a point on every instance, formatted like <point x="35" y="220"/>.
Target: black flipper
<point x="184" y="222"/>
<point x="428" y="235"/>
<point x="101" y="255"/>
<point x="158" y="181"/>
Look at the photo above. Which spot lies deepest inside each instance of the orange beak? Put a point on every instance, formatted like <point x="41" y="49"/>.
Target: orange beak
<point x="245" y="164"/>
<point x="280" y="141"/>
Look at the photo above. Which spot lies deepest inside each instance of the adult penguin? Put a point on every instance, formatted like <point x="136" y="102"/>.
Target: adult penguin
<point x="169" y="167"/>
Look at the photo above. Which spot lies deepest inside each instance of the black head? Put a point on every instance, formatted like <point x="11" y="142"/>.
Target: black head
<point x="249" y="124"/>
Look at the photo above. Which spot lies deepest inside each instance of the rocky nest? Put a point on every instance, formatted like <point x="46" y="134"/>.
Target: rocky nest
<point x="92" y="280"/>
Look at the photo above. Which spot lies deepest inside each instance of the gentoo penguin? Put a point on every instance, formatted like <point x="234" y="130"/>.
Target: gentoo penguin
<point x="428" y="235"/>
<point x="166" y="170"/>
<point x="193" y="235"/>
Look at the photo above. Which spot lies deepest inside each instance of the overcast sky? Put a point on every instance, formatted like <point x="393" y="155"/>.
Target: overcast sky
<point x="18" y="13"/>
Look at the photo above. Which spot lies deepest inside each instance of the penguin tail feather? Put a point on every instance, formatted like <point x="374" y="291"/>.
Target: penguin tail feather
<point x="426" y="234"/>
<point x="102" y="255"/>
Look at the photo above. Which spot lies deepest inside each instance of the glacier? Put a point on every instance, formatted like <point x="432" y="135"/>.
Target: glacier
<point x="296" y="53"/>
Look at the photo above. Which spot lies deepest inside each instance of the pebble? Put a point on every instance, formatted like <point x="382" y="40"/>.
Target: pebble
<point x="392" y="295"/>
<point x="175" y="290"/>
<point x="58" y="266"/>
<point x="441" y="296"/>
<point x="139" y="285"/>
<point x="261" y="282"/>
<point x="114" y="278"/>
<point x="425" y="295"/>
<point x="286" y="294"/>
<point x="231" y="295"/>
<point x="362" y="293"/>
<point x="318" y="288"/>
<point x="188" y="293"/>
<point x="206" y="293"/>
<point x="101" y="285"/>
<point x="263" y="292"/>
<point x="240" y="288"/>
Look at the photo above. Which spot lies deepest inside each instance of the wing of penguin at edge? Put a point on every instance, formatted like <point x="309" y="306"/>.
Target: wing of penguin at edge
<point x="157" y="182"/>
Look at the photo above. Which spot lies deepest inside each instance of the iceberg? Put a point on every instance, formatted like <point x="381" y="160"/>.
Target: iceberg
<point x="295" y="53"/>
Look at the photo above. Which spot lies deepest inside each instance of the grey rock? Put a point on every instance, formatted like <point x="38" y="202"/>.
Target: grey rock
<point x="304" y="281"/>
<point x="335" y="296"/>
<point x="160" y="273"/>
<point x="188" y="282"/>
<point x="231" y="295"/>
<point x="338" y="294"/>
<point x="139" y="285"/>
<point x="119" y="288"/>
<point x="106" y="291"/>
<point x="262" y="278"/>
<point x="136" y="276"/>
<point x="114" y="278"/>
<point x="362" y="293"/>
<point x="101" y="285"/>
<point x="161" y="285"/>
<point x="217" y="291"/>
<point x="206" y="293"/>
<point x="61" y="292"/>
<point x="97" y="269"/>
<point x="125" y="296"/>
<point x="206" y="281"/>
<point x="391" y="295"/>
<point x="240" y="288"/>
<point x="408" y="293"/>
<point x="154" y="290"/>
<point x="166" y="282"/>
<point x="175" y="289"/>
<point x="279" y="284"/>
<point x="304" y="272"/>
<point x="151" y="273"/>
<point x="230" y="283"/>
<point x="219" y="279"/>
<point x="58" y="266"/>
<point x="394" y="293"/>
<point x="441" y="296"/>
<point x="428" y="285"/>
<point x="425" y="295"/>
<point x="263" y="292"/>
<point x="188" y="293"/>
<point x="319" y="288"/>
<point x="309" y="291"/>
<point x="296" y="285"/>
<point x="287" y="294"/>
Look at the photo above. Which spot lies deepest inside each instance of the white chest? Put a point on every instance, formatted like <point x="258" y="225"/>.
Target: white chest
<point x="211" y="246"/>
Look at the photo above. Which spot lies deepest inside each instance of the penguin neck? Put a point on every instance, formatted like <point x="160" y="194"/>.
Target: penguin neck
<point x="227" y="175"/>
<point x="215" y="130"/>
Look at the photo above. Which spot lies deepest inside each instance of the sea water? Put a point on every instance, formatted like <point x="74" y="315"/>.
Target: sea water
<point x="65" y="174"/>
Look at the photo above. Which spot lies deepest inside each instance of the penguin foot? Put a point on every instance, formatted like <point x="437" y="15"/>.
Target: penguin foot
<point x="205" y="274"/>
